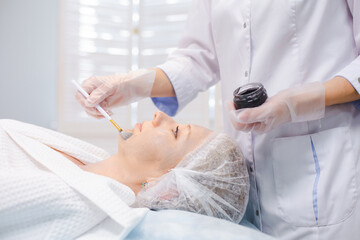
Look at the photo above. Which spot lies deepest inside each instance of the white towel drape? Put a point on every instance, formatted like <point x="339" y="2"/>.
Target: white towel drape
<point x="46" y="196"/>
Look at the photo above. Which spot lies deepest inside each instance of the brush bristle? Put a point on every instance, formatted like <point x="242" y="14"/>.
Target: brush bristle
<point x="125" y="135"/>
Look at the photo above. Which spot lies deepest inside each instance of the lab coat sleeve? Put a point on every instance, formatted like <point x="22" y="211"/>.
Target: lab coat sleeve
<point x="193" y="67"/>
<point x="352" y="71"/>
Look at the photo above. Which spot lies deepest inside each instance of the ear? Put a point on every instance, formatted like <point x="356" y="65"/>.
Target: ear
<point x="171" y="194"/>
<point x="167" y="194"/>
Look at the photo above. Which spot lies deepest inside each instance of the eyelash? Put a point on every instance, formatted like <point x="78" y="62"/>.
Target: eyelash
<point x="176" y="131"/>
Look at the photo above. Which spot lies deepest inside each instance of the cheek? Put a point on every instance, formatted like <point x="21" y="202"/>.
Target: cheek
<point x="159" y="138"/>
<point x="161" y="144"/>
<point x="150" y="146"/>
<point x="155" y="149"/>
<point x="166" y="150"/>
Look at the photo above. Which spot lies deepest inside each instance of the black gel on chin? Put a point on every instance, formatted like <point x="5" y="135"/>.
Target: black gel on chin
<point x="249" y="96"/>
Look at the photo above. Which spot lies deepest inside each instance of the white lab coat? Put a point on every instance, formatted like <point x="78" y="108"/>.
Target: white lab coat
<point x="46" y="196"/>
<point x="304" y="176"/>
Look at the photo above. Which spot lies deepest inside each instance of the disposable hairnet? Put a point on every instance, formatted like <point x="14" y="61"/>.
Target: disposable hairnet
<point x="211" y="180"/>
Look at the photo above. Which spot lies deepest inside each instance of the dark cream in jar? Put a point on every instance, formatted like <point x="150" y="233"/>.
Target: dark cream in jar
<point x="249" y="96"/>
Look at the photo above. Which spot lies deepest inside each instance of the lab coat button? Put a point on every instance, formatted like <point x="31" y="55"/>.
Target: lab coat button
<point x="251" y="169"/>
<point x="244" y="25"/>
<point x="246" y="73"/>
<point x="359" y="79"/>
<point x="257" y="212"/>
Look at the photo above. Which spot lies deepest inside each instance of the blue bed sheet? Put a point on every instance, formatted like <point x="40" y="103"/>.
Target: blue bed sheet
<point x="175" y="224"/>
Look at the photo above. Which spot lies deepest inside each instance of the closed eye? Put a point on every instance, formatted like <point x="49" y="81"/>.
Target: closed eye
<point x="176" y="131"/>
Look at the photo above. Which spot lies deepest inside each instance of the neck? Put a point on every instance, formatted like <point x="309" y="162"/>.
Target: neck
<point x="116" y="168"/>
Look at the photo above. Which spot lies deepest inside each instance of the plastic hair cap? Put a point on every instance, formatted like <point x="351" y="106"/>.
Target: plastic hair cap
<point x="211" y="180"/>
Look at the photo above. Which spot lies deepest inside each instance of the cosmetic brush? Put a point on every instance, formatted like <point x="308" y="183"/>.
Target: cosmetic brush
<point x="124" y="134"/>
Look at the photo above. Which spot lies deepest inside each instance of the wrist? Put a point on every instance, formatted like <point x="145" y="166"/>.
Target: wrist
<point x="306" y="102"/>
<point x="162" y="86"/>
<point x="339" y="90"/>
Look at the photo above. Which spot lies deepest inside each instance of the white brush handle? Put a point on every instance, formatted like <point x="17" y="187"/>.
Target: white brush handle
<point x="86" y="95"/>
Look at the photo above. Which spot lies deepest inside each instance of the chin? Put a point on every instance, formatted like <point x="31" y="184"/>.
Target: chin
<point x="120" y="140"/>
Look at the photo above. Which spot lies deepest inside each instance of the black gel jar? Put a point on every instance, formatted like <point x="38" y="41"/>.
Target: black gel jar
<point x="249" y="96"/>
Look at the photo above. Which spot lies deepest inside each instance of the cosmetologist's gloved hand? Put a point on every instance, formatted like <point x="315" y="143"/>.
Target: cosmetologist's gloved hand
<point x="298" y="104"/>
<point x="116" y="90"/>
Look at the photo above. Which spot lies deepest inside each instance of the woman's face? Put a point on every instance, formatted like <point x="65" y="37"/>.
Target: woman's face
<point x="158" y="145"/>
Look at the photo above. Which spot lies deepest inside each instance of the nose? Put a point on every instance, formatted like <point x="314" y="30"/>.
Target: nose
<point x="160" y="118"/>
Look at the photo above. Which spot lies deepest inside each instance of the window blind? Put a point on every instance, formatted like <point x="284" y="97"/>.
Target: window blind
<point x="94" y="40"/>
<point x="161" y="26"/>
<point x="99" y="37"/>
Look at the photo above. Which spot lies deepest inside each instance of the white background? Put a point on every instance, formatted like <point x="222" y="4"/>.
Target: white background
<point x="29" y="60"/>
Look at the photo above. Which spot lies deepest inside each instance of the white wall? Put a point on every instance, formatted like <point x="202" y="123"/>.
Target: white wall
<point x="28" y="60"/>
